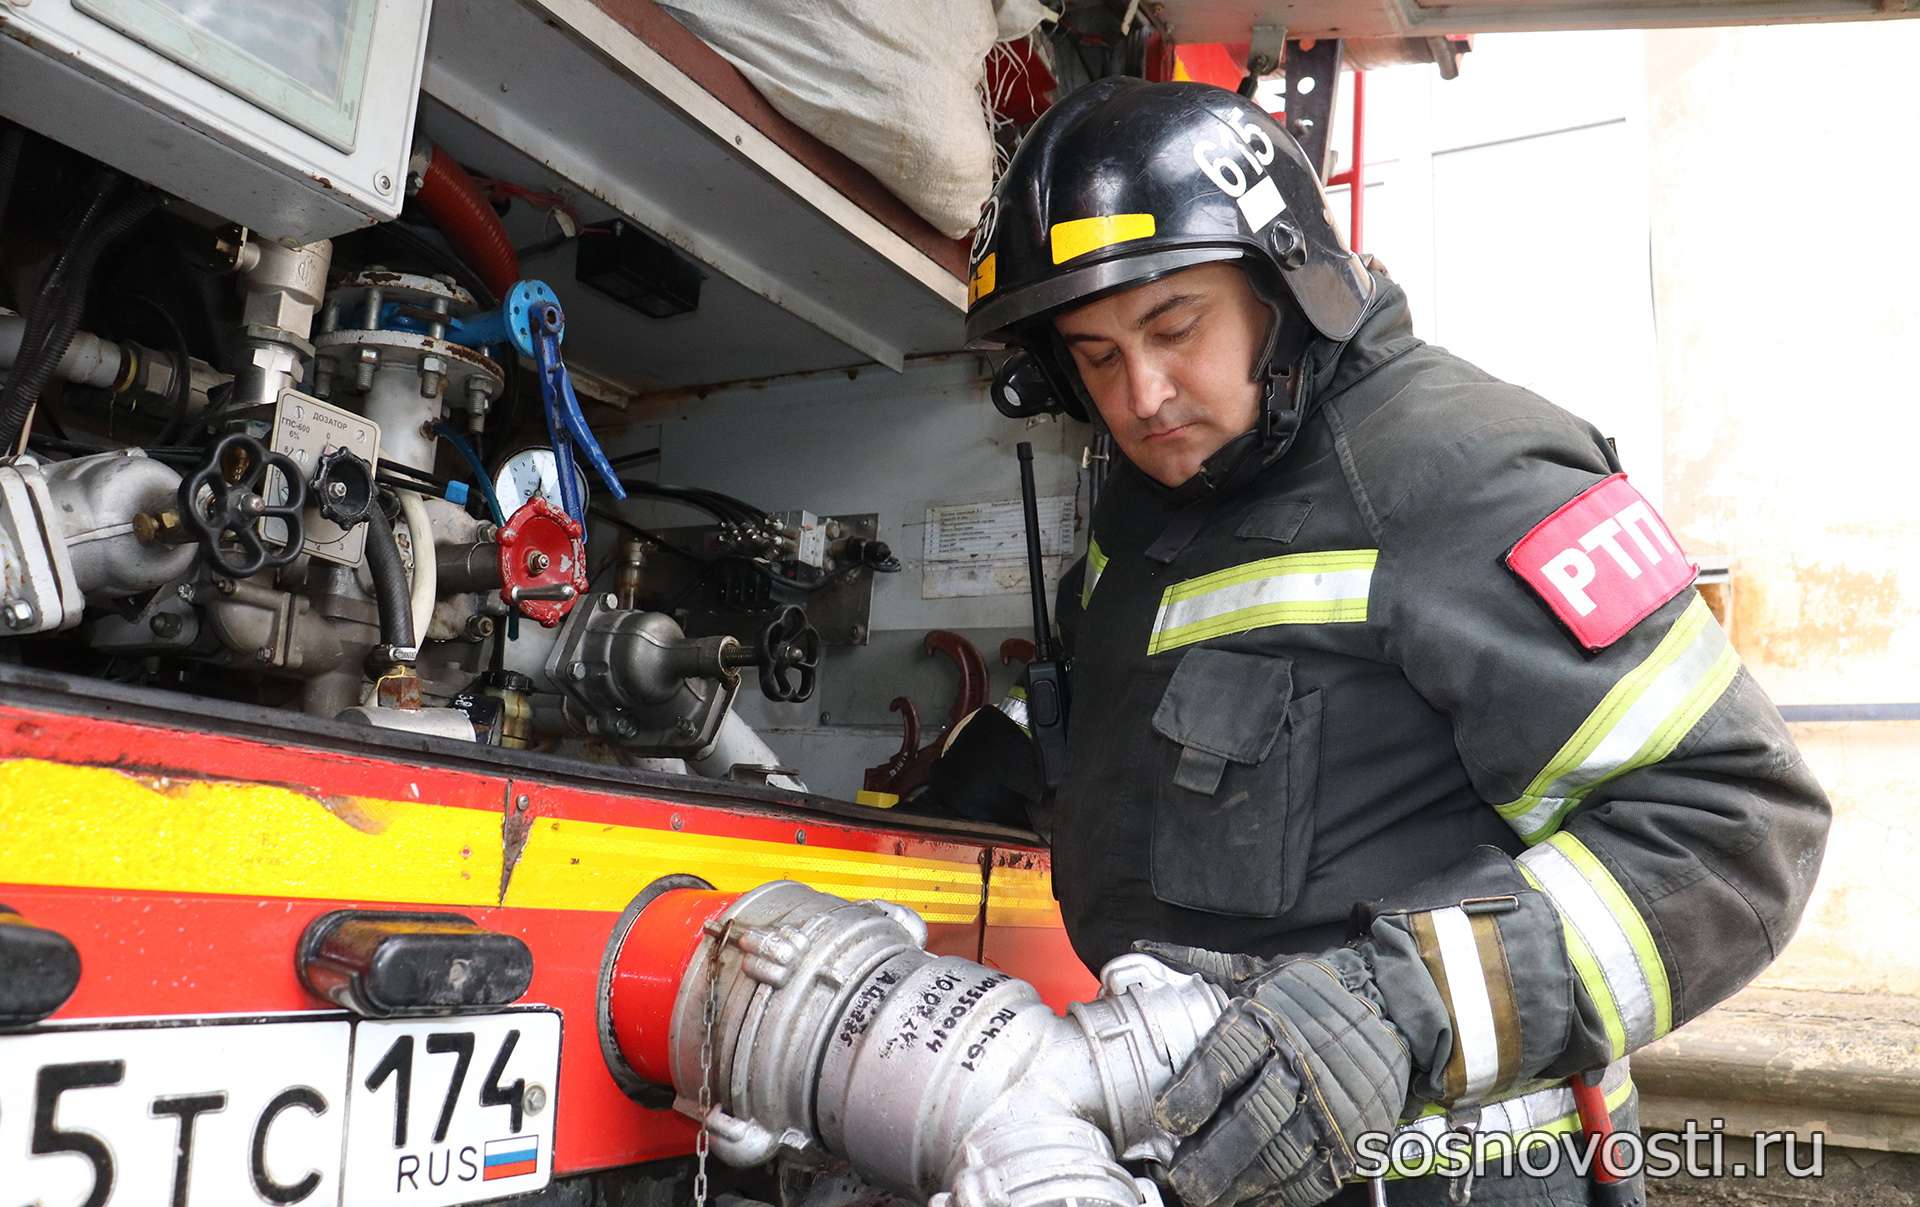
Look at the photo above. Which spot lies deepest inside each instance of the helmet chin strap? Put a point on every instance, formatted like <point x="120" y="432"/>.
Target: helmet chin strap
<point x="1281" y="371"/>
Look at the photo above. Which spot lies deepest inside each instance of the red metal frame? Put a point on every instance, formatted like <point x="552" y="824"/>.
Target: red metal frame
<point x="196" y="953"/>
<point x="1224" y="66"/>
<point x="1355" y="177"/>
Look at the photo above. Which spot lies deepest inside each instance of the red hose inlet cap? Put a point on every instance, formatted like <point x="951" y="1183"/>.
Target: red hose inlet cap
<point x="646" y="974"/>
<point x="543" y="562"/>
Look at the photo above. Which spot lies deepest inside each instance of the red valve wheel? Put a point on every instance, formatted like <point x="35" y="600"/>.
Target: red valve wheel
<point x="543" y="562"/>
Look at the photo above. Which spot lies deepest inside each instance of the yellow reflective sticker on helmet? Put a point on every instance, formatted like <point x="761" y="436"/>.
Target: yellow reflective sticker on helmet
<point x="1082" y="235"/>
<point x="982" y="283"/>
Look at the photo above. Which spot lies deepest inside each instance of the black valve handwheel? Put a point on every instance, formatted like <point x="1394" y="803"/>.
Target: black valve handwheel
<point x="224" y="501"/>
<point x="343" y="488"/>
<point x="788" y="644"/>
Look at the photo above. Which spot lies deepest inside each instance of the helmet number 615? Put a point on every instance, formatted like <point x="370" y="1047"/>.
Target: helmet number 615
<point x="1222" y="170"/>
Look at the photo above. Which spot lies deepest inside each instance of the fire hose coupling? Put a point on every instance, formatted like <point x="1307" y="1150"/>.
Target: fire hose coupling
<point x="823" y="1022"/>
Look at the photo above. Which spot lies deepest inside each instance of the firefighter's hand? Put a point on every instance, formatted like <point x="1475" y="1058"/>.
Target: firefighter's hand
<point x="1271" y="1103"/>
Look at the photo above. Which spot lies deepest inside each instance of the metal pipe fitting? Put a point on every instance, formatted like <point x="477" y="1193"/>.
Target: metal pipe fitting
<point x="472" y="566"/>
<point x="98" y="501"/>
<point x="825" y="1023"/>
<point x="634" y="678"/>
<point x="738" y="746"/>
<point x="89" y="360"/>
<point x="70" y="532"/>
<point x="282" y="289"/>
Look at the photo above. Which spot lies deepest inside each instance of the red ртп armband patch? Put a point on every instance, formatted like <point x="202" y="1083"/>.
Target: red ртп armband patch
<point x="1603" y="562"/>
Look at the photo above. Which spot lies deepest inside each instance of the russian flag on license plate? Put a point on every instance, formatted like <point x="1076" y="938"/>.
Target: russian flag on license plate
<point x="511" y="1157"/>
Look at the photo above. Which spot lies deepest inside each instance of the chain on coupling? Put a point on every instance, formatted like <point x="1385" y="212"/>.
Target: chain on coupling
<point x="703" y="1139"/>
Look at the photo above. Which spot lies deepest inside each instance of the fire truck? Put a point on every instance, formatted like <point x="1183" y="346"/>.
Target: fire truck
<point x="407" y="790"/>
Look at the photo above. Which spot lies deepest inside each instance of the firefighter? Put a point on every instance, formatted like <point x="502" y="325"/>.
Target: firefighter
<point x="1393" y="709"/>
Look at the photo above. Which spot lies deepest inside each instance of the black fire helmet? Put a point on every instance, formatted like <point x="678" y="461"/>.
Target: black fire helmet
<point x="1123" y="182"/>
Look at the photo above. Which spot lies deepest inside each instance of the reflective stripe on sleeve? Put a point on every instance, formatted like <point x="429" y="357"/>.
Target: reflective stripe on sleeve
<point x="1015" y="706"/>
<point x="1640" y="721"/>
<point x="1472" y="1011"/>
<point x="1096" y="565"/>
<point x="1523" y="1119"/>
<point x="1462" y="953"/>
<point x="1297" y="588"/>
<point x="1612" y="950"/>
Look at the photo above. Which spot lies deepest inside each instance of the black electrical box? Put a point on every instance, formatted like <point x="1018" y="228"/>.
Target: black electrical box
<point x="637" y="270"/>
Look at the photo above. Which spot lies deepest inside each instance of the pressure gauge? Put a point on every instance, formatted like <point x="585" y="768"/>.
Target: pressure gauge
<point x="531" y="473"/>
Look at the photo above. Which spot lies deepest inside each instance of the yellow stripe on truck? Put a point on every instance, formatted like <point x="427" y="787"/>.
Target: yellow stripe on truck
<point x="1021" y="897"/>
<point x="95" y="827"/>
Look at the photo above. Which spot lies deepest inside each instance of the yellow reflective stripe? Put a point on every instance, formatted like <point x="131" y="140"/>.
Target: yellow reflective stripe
<point x="1588" y="970"/>
<point x="1627" y="961"/>
<point x="1328" y="587"/>
<point x="982" y="283"/>
<point x="1638" y="723"/>
<point x="96" y="827"/>
<point x="1329" y="561"/>
<point x="1096" y="566"/>
<point x="1083" y="235"/>
<point x="1523" y="1119"/>
<point x="1627" y="914"/>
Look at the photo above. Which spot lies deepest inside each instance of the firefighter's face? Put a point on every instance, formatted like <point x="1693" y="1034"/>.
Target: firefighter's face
<point x="1167" y="365"/>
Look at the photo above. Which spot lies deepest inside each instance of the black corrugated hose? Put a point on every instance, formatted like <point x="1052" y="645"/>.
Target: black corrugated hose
<point x="56" y="315"/>
<point x="392" y="594"/>
<point x="46" y="307"/>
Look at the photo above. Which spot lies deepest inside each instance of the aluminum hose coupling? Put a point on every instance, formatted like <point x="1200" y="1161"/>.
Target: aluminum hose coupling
<point x="934" y="1076"/>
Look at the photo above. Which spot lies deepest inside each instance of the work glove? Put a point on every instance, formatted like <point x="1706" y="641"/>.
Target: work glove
<point x="1271" y="1103"/>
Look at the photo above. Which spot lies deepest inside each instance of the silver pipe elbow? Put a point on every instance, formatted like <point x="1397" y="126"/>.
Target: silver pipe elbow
<point x="822" y="1022"/>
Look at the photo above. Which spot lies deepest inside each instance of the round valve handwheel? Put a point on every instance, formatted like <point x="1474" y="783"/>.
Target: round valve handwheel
<point x="788" y="644"/>
<point x="234" y="504"/>
<point x="543" y="562"/>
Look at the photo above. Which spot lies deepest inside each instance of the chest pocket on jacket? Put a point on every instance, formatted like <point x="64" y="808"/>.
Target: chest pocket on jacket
<point x="1237" y="759"/>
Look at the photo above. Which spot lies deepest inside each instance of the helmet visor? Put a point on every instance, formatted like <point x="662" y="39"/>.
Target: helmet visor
<point x="993" y="320"/>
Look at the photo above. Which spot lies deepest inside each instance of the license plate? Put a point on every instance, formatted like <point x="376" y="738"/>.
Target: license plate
<point x="284" y="1110"/>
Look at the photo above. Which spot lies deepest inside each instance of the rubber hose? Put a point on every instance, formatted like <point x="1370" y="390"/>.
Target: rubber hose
<point x="391" y="594"/>
<point x="426" y="570"/>
<point x="48" y="305"/>
<point x="68" y="302"/>
<point x="24" y="386"/>
<point x="463" y="214"/>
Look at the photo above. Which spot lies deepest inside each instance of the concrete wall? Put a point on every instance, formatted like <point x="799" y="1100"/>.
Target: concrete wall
<point x="1783" y="172"/>
<point x="1785" y="246"/>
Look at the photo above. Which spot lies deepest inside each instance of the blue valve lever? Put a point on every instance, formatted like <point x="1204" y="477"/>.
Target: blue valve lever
<point x="530" y="319"/>
<point x="566" y="426"/>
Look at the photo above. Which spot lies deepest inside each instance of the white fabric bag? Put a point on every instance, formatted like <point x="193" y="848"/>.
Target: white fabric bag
<point x="894" y="85"/>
